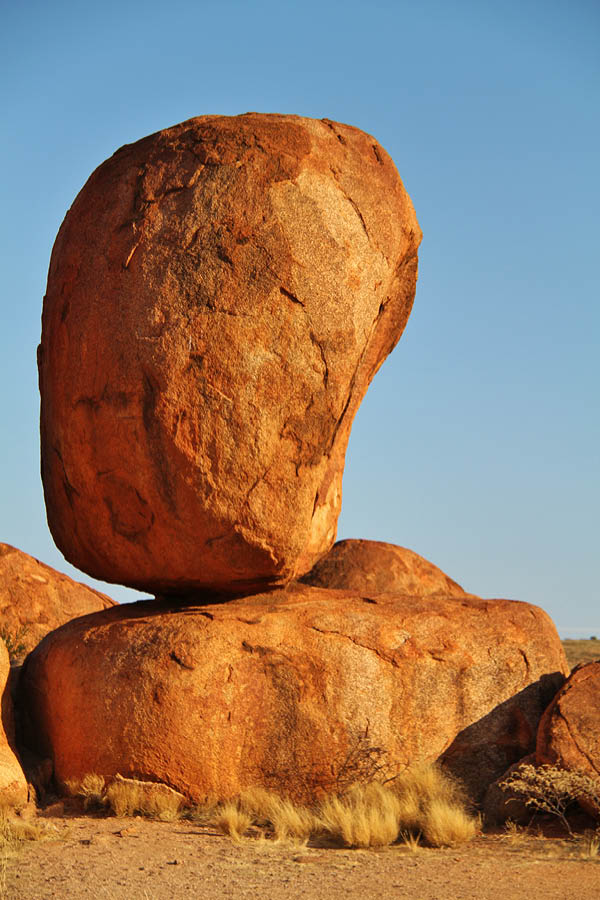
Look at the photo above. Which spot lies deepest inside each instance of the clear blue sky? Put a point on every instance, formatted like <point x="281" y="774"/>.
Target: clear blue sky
<point x="478" y="442"/>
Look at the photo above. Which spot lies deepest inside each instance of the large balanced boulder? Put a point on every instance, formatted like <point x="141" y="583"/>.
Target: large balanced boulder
<point x="35" y="599"/>
<point x="13" y="784"/>
<point x="569" y="732"/>
<point x="296" y="689"/>
<point x="359" y="565"/>
<point x="220" y="296"/>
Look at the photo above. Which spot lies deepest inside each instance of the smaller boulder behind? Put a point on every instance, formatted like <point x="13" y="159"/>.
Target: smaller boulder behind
<point x="569" y="731"/>
<point x="358" y="565"/>
<point x="36" y="599"/>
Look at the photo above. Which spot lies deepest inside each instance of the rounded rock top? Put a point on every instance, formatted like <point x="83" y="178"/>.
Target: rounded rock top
<point x="220" y="295"/>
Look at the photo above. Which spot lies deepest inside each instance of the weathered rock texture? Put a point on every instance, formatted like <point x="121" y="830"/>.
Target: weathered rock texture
<point x="36" y="599"/>
<point x="220" y="296"/>
<point x="358" y="565"/>
<point x="291" y="688"/>
<point x="13" y="785"/>
<point x="569" y="732"/>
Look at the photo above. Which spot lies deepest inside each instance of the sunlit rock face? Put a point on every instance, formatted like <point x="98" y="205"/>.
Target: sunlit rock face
<point x="220" y="296"/>
<point x="291" y="689"/>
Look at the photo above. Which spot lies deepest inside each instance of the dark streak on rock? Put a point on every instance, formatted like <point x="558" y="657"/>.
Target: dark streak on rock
<point x="290" y="296"/>
<point x="70" y="491"/>
<point x="180" y="662"/>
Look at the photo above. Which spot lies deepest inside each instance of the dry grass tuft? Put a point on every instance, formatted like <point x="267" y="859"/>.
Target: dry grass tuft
<point x="91" y="789"/>
<point x="411" y="841"/>
<point x="422" y="802"/>
<point x="202" y="813"/>
<point x="435" y="805"/>
<point x="590" y="845"/>
<point x="291" y="823"/>
<point x="514" y="832"/>
<point x="232" y="820"/>
<point x="364" y="816"/>
<point x="128" y="796"/>
<point x="445" y="824"/>
<point x="14" y="831"/>
<point x="287" y="821"/>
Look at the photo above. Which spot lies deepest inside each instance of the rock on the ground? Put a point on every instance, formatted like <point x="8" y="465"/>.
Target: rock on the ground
<point x="13" y="784"/>
<point x="35" y="599"/>
<point x="292" y="689"/>
<point x="501" y="804"/>
<point x="359" y="565"/>
<point x="220" y="296"/>
<point x="569" y="731"/>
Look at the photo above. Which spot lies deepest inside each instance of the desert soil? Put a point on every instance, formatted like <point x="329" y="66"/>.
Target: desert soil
<point x="139" y="859"/>
<point x="109" y="858"/>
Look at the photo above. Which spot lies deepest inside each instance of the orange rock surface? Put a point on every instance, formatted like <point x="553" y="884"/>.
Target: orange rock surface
<point x="569" y="732"/>
<point x="13" y="785"/>
<point x="290" y="689"/>
<point x="35" y="599"/>
<point x="359" y="565"/>
<point x="220" y="296"/>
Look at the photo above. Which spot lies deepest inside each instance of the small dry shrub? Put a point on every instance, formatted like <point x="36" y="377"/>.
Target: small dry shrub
<point x="364" y="763"/>
<point x="15" y="640"/>
<point x="553" y="790"/>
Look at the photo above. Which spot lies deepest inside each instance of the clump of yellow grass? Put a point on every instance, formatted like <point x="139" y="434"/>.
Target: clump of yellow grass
<point x="435" y="805"/>
<point x="367" y="815"/>
<point x="90" y="789"/>
<point x="232" y="820"/>
<point x="14" y="831"/>
<point x="128" y="796"/>
<point x="421" y="803"/>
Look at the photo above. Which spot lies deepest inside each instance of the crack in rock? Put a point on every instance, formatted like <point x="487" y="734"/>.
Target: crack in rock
<point x="387" y="659"/>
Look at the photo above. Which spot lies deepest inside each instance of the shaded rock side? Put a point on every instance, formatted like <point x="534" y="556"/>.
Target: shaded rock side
<point x="359" y="565"/>
<point x="220" y="296"/>
<point x="569" y="732"/>
<point x="13" y="784"/>
<point x="290" y="689"/>
<point x="501" y="804"/>
<point x="36" y="599"/>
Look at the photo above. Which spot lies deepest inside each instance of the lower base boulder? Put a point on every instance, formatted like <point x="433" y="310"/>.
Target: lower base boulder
<point x="300" y="690"/>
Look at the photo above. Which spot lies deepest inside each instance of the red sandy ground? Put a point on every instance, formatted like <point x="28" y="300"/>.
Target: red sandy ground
<point x="138" y="859"/>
